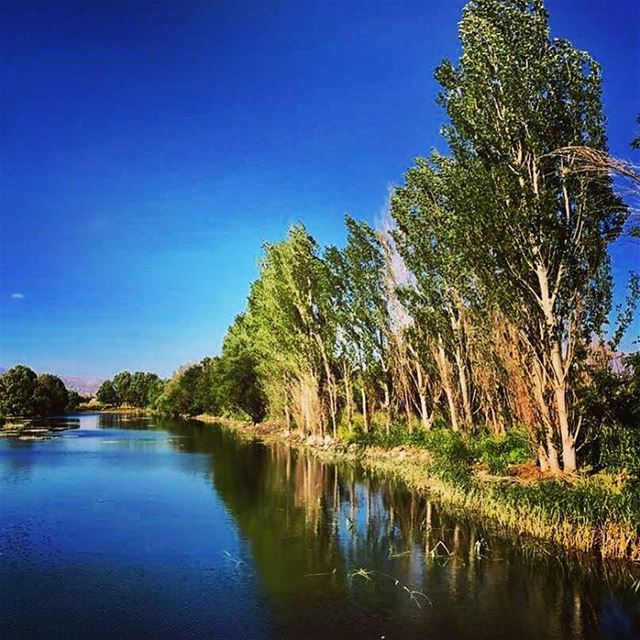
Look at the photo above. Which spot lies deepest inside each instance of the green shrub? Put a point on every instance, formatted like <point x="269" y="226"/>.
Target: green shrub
<point x="618" y="448"/>
<point x="500" y="451"/>
<point x="453" y="455"/>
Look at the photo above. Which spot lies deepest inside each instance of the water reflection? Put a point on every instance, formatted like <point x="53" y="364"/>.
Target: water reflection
<point x="343" y="554"/>
<point x="171" y="529"/>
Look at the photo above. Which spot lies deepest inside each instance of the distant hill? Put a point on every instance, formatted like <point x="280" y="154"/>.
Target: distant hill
<point x="84" y="386"/>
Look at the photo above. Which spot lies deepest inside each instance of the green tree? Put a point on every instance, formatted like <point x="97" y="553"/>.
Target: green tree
<point x="17" y="389"/>
<point x="292" y="332"/>
<point x="74" y="400"/>
<point x="360" y="310"/>
<point x="154" y="386"/>
<point x="136" y="394"/>
<point x="205" y="395"/>
<point x="121" y="383"/>
<point x="236" y="382"/>
<point x="515" y="100"/>
<point x="180" y="397"/>
<point x="50" y="396"/>
<point x="430" y="237"/>
<point x="107" y="394"/>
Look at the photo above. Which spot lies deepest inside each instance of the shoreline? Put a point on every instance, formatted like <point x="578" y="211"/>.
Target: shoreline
<point x="508" y="504"/>
<point x="126" y="410"/>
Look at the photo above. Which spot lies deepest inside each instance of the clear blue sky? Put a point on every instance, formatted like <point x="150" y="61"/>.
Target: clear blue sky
<point x="150" y="148"/>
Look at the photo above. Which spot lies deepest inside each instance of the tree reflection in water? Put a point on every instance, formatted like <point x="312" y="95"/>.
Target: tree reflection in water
<point x="334" y="549"/>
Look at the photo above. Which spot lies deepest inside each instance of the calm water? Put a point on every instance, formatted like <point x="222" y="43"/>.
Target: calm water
<point x="129" y="528"/>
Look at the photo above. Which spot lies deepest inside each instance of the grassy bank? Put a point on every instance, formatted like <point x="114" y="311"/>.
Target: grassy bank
<point x="595" y="513"/>
<point x="95" y="406"/>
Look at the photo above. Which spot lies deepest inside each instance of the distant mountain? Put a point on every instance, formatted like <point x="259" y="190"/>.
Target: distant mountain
<point x="84" y="386"/>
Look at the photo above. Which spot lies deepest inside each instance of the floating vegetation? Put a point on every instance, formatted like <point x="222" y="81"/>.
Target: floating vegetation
<point x="30" y="429"/>
<point x="434" y="552"/>
<point x="419" y="598"/>
<point x="237" y="561"/>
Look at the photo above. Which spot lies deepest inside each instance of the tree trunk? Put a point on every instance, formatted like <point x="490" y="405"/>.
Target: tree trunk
<point x="287" y="413"/>
<point x="424" y="412"/>
<point x="443" y="368"/>
<point x="348" y="392"/>
<point x="365" y="417"/>
<point x="464" y="388"/>
<point x="543" y="459"/>
<point x="552" y="455"/>
<point x="453" y="412"/>
<point x="407" y="410"/>
<point x="387" y="406"/>
<point x="331" y="387"/>
<point x="550" y="461"/>
<point x="558" y="381"/>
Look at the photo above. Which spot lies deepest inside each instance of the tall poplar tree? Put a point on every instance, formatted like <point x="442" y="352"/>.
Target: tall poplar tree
<point x="515" y="97"/>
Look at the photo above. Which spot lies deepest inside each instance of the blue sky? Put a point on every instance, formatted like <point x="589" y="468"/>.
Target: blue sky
<point x="150" y="148"/>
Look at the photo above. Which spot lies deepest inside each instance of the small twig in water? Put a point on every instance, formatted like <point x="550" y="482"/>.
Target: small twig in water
<point x="478" y="547"/>
<point x="434" y="552"/>
<point x="321" y="573"/>
<point x="237" y="561"/>
<point x="417" y="597"/>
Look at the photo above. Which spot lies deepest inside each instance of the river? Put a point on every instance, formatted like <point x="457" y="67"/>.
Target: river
<point x="127" y="528"/>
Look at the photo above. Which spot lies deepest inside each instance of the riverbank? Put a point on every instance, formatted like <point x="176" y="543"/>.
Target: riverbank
<point x="98" y="407"/>
<point x="597" y="514"/>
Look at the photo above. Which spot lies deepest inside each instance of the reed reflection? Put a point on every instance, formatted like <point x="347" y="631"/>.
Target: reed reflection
<point x="337" y="549"/>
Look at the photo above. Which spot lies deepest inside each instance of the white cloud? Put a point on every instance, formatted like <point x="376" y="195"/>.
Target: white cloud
<point x="17" y="296"/>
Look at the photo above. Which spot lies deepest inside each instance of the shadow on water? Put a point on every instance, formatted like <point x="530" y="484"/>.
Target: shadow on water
<point x="343" y="554"/>
<point x="132" y="527"/>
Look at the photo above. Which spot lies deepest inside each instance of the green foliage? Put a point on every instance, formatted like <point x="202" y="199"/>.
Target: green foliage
<point x="143" y="389"/>
<point x="237" y="387"/>
<point x="17" y="389"/>
<point x="107" y="394"/>
<point x="139" y="390"/>
<point x="121" y="383"/>
<point x="618" y="448"/>
<point x="453" y="454"/>
<point x="498" y="452"/>
<point x="610" y="406"/>
<point x="23" y="393"/>
<point x="359" y="306"/>
<point x="74" y="401"/>
<point x="51" y="396"/>
<point x="191" y="391"/>
<point x="292" y="330"/>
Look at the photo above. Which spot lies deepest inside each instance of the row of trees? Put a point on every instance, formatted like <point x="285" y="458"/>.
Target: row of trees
<point x="222" y="386"/>
<point x="483" y="298"/>
<point x="25" y="393"/>
<point x="481" y="301"/>
<point x="191" y="391"/>
<point x="139" y="389"/>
